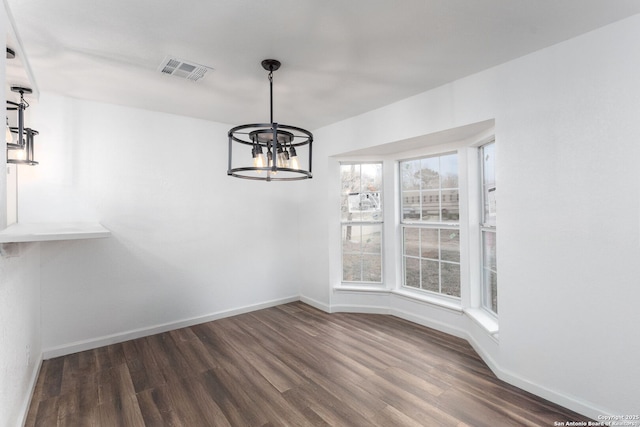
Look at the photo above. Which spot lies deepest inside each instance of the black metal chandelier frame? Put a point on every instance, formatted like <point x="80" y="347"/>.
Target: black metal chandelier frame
<point x="24" y="135"/>
<point x="280" y="142"/>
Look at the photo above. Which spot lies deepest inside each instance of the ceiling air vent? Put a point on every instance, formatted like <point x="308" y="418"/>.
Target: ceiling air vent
<point x="185" y="69"/>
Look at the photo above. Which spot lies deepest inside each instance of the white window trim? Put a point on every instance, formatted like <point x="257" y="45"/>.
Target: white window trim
<point x="470" y="301"/>
<point x="365" y="285"/>
<point x="485" y="320"/>
<point x="482" y="227"/>
<point x="423" y="295"/>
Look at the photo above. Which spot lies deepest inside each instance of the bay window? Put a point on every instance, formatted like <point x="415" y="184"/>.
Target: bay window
<point x="442" y="244"/>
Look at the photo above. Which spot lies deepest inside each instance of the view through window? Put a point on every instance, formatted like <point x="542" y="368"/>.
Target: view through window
<point x="430" y="224"/>
<point x="488" y="228"/>
<point x="361" y="222"/>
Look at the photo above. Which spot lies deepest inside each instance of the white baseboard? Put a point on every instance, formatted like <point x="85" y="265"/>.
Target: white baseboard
<point x="569" y="402"/>
<point x="90" y="344"/>
<point x="315" y="304"/>
<point x="33" y="380"/>
<point x="429" y="323"/>
<point x="351" y="308"/>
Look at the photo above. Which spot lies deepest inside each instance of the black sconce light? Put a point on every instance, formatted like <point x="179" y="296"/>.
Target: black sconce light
<point x="19" y="138"/>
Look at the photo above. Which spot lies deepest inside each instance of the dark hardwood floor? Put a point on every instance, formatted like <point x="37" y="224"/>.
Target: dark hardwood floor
<point x="287" y="365"/>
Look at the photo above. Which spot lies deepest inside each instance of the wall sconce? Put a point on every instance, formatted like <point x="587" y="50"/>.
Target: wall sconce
<point x="20" y="139"/>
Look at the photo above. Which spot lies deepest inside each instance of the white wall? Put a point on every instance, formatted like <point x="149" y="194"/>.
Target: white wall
<point x="188" y="242"/>
<point x="567" y="132"/>
<point x="20" y="333"/>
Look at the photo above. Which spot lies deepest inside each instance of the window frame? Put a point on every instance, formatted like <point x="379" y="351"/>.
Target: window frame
<point x="486" y="226"/>
<point x="421" y="224"/>
<point x="379" y="223"/>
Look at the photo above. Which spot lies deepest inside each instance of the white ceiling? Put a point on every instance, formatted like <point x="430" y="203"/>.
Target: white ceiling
<point x="339" y="58"/>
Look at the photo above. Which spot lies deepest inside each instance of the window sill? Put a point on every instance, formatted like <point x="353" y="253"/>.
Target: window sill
<point x="432" y="300"/>
<point x="427" y="299"/>
<point x="18" y="233"/>
<point x="485" y="320"/>
<point x="361" y="288"/>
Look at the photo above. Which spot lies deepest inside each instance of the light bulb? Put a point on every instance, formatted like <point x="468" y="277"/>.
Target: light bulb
<point x="293" y="159"/>
<point x="270" y="162"/>
<point x="282" y="157"/>
<point x="258" y="161"/>
<point x="282" y="160"/>
<point x="258" y="157"/>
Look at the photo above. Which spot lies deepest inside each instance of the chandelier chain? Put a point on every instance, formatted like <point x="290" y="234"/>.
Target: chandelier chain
<point x="271" y="94"/>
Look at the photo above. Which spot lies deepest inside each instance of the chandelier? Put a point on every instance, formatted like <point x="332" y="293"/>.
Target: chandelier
<point x="270" y="151"/>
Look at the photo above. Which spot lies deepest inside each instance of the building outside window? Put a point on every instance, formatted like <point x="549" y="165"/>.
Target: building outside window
<point x="361" y="222"/>
<point x="430" y="224"/>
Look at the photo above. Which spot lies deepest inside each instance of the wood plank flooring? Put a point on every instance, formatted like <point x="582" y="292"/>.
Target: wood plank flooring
<point x="287" y="365"/>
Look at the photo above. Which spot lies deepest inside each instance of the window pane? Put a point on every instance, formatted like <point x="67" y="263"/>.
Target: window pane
<point x="351" y="268"/>
<point x="449" y="171"/>
<point x="412" y="272"/>
<point x="370" y="206"/>
<point x="451" y="279"/>
<point x="354" y="211"/>
<point x="489" y="159"/>
<point x="370" y="191"/>
<point x="430" y="173"/>
<point x="430" y="275"/>
<point x="490" y="278"/>
<point x="450" y="245"/>
<point x="412" y="241"/>
<point x="489" y="183"/>
<point x="431" y="205"/>
<point x="351" y="236"/>
<point x="489" y="250"/>
<point x="371" y="179"/>
<point x="344" y="207"/>
<point x="429" y="272"/>
<point x="372" y="239"/>
<point x="410" y="175"/>
<point x="410" y="205"/>
<point x="350" y="176"/>
<point x="372" y="268"/>
<point x="450" y="205"/>
<point x="429" y="243"/>
<point x="489" y="198"/>
<point x="437" y="178"/>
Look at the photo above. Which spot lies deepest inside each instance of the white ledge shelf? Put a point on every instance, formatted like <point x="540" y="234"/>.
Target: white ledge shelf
<point x="43" y="232"/>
